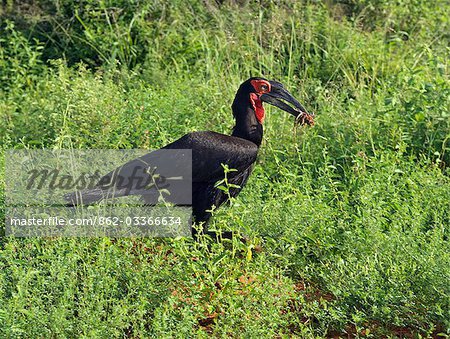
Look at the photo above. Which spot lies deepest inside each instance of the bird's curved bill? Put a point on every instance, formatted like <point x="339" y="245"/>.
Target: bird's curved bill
<point x="281" y="98"/>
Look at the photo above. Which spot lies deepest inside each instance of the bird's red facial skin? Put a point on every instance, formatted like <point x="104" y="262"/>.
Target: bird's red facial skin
<point x="261" y="87"/>
<point x="257" y="107"/>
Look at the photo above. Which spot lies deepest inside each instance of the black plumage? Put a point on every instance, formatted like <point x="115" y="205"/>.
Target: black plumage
<point x="211" y="150"/>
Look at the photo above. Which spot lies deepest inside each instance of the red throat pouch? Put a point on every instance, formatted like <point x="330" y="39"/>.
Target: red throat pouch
<point x="258" y="107"/>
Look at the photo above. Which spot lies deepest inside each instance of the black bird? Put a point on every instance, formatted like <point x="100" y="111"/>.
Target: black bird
<point x="211" y="150"/>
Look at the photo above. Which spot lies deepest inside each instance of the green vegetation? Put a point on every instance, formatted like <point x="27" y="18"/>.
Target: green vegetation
<point x="353" y="215"/>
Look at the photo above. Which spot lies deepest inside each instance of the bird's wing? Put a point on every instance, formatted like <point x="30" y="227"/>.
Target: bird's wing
<point x="210" y="150"/>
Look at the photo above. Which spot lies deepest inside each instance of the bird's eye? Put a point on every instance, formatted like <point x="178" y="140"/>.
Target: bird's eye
<point x="260" y="86"/>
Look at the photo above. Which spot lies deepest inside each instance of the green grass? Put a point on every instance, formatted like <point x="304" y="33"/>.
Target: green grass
<point x="353" y="214"/>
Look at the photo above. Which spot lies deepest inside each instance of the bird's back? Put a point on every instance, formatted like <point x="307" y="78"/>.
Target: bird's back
<point x="211" y="150"/>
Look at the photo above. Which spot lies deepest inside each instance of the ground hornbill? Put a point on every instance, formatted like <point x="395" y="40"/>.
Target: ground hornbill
<point x="211" y="150"/>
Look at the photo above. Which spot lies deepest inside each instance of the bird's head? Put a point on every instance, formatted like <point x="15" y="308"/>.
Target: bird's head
<point x="255" y="91"/>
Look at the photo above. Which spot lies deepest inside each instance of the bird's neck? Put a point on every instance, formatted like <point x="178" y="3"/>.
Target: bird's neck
<point x="247" y="126"/>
